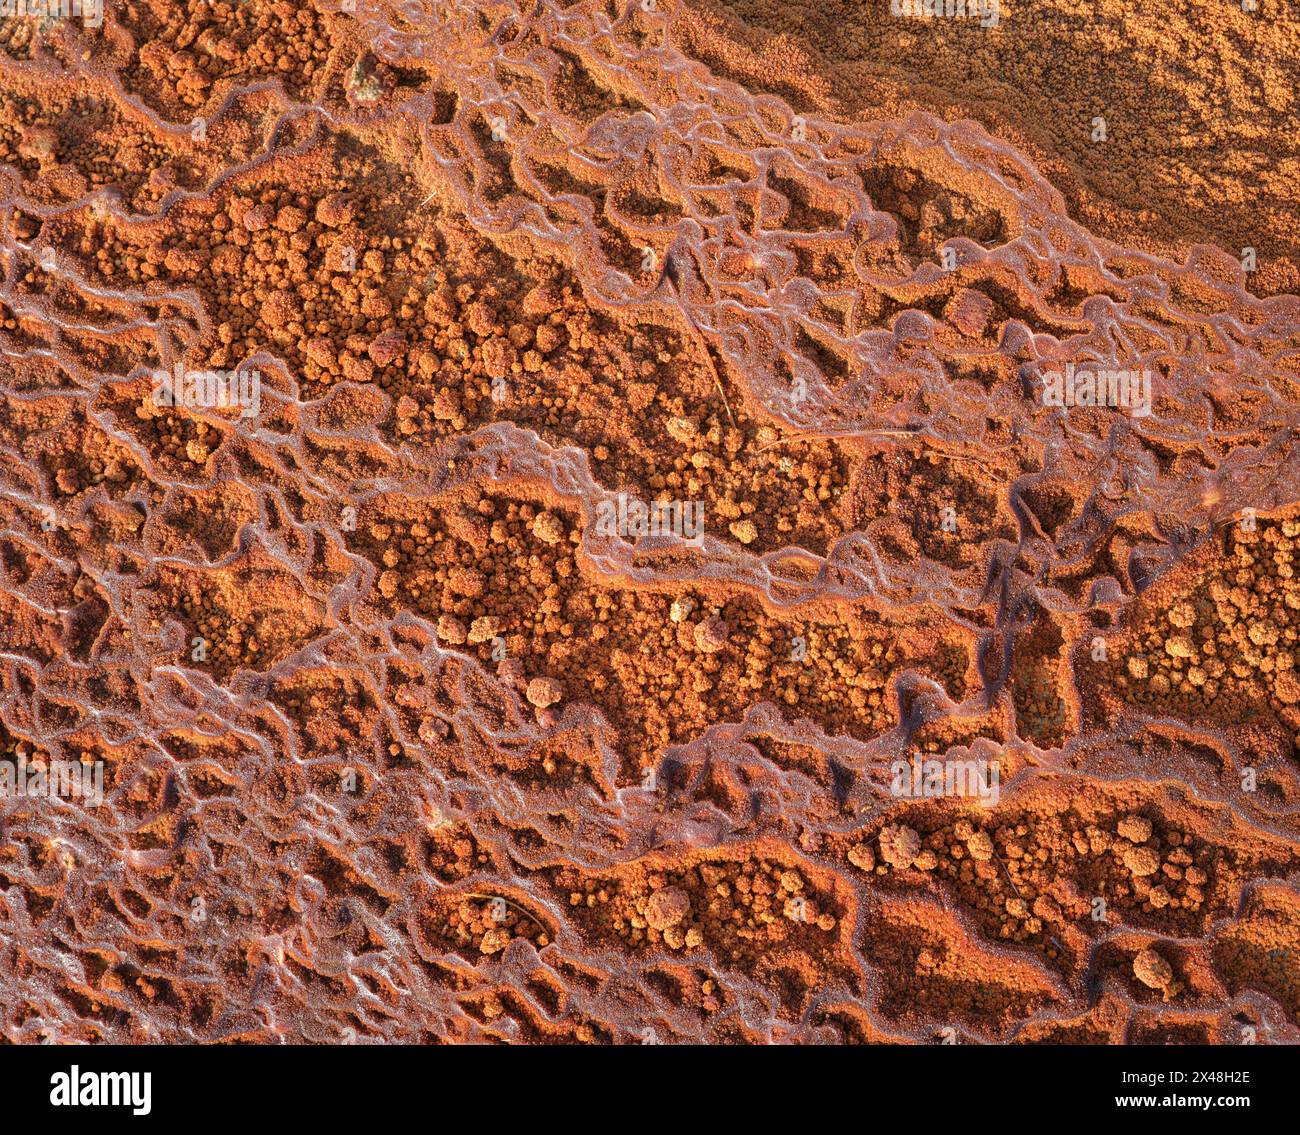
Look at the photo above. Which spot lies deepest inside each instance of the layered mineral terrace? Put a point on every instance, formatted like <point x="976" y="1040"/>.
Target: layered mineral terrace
<point x="349" y="349"/>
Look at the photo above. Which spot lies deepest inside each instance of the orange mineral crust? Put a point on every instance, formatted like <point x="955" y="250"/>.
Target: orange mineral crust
<point x="642" y="522"/>
<point x="1197" y="140"/>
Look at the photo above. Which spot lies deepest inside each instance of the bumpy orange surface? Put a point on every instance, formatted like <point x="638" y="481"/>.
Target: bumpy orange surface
<point x="939" y="709"/>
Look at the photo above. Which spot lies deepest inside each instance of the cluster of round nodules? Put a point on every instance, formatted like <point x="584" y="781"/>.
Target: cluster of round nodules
<point x="732" y="908"/>
<point x="488" y="925"/>
<point x="297" y="272"/>
<point x="229" y="641"/>
<point x="476" y="595"/>
<point x="701" y="627"/>
<point x="176" y="434"/>
<point x="1165" y="869"/>
<point x="1234" y="632"/>
<point x="1026" y="876"/>
<point x="781" y="490"/>
<point x="96" y="464"/>
<point x="190" y="48"/>
<point x="501" y="576"/>
<point x="185" y="54"/>
<point x="475" y="352"/>
<point x="454" y="854"/>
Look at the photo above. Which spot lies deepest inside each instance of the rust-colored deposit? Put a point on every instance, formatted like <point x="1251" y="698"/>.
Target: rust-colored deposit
<point x="552" y="525"/>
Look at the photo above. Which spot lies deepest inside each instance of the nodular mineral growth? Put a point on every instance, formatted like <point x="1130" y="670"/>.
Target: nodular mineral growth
<point x="511" y="533"/>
